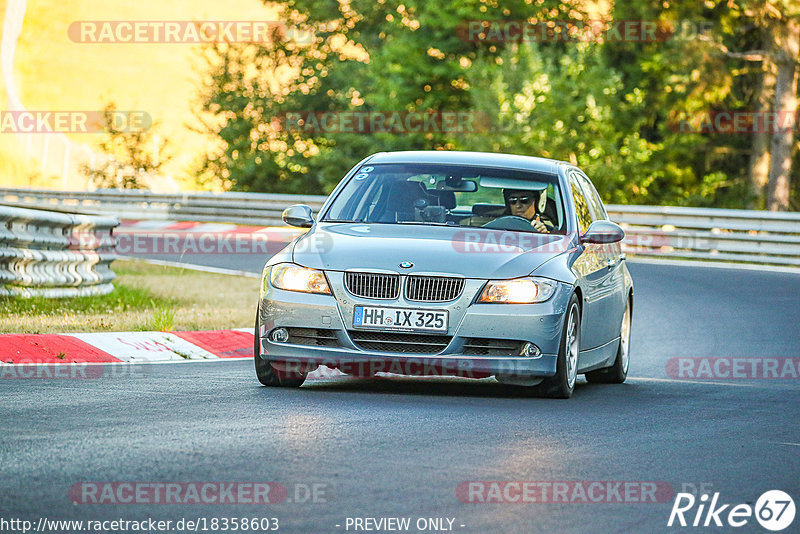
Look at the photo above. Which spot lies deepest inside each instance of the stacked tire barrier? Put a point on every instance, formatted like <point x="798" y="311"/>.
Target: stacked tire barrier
<point x="49" y="254"/>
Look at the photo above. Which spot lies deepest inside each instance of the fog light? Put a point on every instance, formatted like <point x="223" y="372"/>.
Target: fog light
<point x="529" y="350"/>
<point x="279" y="335"/>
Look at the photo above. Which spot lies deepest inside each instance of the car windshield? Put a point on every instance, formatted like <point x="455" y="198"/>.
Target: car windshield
<point x="450" y="195"/>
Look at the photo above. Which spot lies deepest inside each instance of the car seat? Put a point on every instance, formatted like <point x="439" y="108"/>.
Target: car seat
<point x="400" y="202"/>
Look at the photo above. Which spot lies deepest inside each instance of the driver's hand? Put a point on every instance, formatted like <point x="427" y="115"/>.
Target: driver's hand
<point x="539" y="225"/>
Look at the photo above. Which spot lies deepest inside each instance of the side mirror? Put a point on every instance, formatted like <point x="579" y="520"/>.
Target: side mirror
<point x="603" y="232"/>
<point x="298" y="215"/>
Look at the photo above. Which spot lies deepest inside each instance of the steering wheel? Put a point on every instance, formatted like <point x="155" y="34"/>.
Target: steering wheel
<point x="510" y="222"/>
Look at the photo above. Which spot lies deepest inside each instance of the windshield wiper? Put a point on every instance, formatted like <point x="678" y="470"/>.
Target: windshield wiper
<point x="418" y="223"/>
<point x="425" y="223"/>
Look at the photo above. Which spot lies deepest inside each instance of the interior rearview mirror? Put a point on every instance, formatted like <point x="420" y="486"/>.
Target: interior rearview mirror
<point x="465" y="186"/>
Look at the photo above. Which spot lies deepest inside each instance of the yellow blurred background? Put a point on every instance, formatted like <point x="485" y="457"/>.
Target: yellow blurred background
<point x="53" y="73"/>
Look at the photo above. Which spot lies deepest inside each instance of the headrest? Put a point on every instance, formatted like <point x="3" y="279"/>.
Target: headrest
<point x="446" y="199"/>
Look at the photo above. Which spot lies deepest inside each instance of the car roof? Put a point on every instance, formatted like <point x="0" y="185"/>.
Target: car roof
<point x="454" y="157"/>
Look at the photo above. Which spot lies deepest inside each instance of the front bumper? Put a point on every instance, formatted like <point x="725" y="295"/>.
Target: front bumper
<point x="540" y="324"/>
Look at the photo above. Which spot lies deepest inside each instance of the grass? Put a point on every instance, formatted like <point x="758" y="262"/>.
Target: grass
<point x="163" y="318"/>
<point x="145" y="297"/>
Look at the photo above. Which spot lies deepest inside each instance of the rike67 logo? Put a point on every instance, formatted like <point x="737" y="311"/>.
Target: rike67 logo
<point x="774" y="510"/>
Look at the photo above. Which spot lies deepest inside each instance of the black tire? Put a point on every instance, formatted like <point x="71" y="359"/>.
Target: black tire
<point x="617" y="373"/>
<point x="558" y="386"/>
<point x="264" y="371"/>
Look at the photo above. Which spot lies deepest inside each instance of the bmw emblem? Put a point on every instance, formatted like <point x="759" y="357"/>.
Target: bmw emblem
<point x="406" y="264"/>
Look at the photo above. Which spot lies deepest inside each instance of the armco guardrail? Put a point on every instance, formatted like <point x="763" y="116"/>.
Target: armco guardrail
<point x="43" y="253"/>
<point x="666" y="232"/>
<point x="243" y="208"/>
<point x="710" y="234"/>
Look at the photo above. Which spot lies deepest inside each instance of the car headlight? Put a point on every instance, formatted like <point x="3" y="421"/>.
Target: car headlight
<point x="293" y="277"/>
<point x="518" y="291"/>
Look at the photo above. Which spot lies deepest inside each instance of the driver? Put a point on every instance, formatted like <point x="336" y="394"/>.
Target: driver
<point x="529" y="205"/>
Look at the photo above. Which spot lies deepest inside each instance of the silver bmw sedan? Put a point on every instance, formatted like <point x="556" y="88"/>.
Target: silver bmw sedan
<point x="453" y="264"/>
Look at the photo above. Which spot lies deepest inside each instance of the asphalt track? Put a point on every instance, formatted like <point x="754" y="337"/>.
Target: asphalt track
<point x="400" y="447"/>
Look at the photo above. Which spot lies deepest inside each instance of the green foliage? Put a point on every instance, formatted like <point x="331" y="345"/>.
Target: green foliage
<point x="565" y="106"/>
<point x="609" y="107"/>
<point x="163" y="318"/>
<point x="121" y="299"/>
<point x="130" y="156"/>
<point x="398" y="57"/>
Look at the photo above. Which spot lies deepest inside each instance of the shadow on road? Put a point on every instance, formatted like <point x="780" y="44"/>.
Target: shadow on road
<point x="456" y="387"/>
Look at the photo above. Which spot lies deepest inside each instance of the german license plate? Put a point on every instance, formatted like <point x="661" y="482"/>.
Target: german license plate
<point x="407" y="319"/>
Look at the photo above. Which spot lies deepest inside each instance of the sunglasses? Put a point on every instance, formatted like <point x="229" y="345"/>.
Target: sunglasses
<point x="522" y="200"/>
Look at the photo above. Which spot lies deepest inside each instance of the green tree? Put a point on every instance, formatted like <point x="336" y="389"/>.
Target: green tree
<point x="610" y="106"/>
<point x="131" y="155"/>
<point x="723" y="56"/>
<point x="382" y="56"/>
<point x="567" y="106"/>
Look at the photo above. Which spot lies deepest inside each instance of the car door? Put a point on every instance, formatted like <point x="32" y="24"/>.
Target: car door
<point x="591" y="270"/>
<point x="611" y="293"/>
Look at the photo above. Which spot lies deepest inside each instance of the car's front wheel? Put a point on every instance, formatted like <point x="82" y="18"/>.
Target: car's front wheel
<point x="562" y="384"/>
<point x="265" y="372"/>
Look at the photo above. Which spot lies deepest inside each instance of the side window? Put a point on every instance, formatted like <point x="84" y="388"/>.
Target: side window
<point x="595" y="204"/>
<point x="581" y="206"/>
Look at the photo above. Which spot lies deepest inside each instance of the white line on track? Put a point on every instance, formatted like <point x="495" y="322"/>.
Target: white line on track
<point x="682" y="381"/>
<point x="192" y="267"/>
<point x="714" y="264"/>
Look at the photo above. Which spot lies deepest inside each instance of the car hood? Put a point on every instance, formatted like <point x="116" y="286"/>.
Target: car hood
<point x="469" y="252"/>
